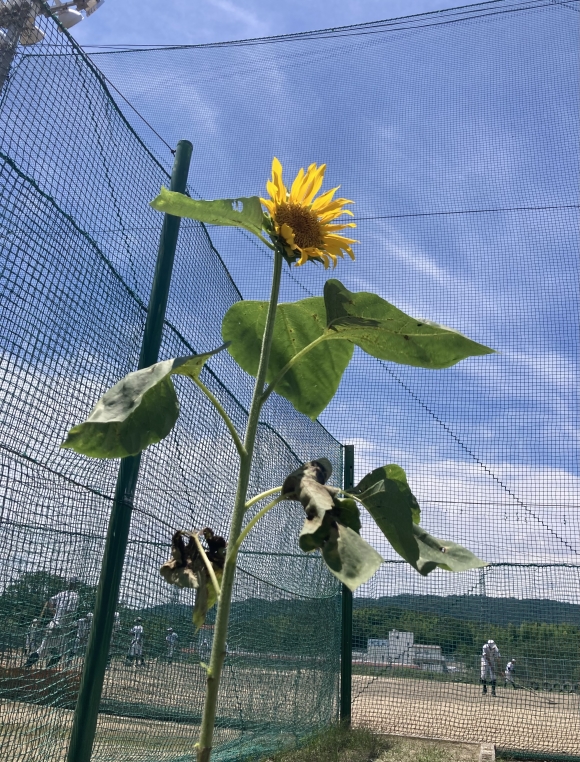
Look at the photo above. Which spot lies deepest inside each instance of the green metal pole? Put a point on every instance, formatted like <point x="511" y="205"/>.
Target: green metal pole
<point x="87" y="708"/>
<point x="346" y="634"/>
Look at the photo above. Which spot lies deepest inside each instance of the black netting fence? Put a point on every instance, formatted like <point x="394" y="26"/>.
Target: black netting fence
<point x="456" y="133"/>
<point x="79" y="244"/>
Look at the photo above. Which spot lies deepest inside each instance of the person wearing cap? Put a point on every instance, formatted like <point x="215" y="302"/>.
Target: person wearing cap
<point x="510" y="673"/>
<point x="171" y="638"/>
<point x="59" y="635"/>
<point x="136" y="648"/>
<point x="490" y="657"/>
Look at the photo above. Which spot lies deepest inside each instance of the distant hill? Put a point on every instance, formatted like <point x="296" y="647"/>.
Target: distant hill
<point x="477" y="608"/>
<point x="474" y="608"/>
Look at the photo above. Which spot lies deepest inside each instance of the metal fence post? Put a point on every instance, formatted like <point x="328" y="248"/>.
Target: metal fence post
<point x="346" y="633"/>
<point x="87" y="708"/>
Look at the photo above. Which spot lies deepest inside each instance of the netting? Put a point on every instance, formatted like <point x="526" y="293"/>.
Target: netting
<point x="456" y="134"/>
<point x="78" y="255"/>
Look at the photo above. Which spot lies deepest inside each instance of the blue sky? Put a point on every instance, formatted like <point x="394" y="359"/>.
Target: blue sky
<point x="183" y="22"/>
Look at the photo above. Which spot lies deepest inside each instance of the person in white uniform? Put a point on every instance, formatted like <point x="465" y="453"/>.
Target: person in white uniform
<point x="510" y="673"/>
<point x="33" y="637"/>
<point x="136" y="648"/>
<point x="60" y="631"/>
<point x="490" y="657"/>
<point x="172" y="638"/>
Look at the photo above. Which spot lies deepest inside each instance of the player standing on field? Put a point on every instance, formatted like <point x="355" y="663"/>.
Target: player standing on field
<point x="490" y="657"/>
<point x="136" y="647"/>
<point x="172" y="638"/>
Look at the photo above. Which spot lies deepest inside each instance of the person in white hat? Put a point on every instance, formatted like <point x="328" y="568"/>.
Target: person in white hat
<point x="490" y="657"/>
<point x="171" y="638"/>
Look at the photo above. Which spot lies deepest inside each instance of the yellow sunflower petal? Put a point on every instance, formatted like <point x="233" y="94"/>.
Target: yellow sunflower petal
<point x="288" y="235"/>
<point x="270" y="205"/>
<point x="296" y="185"/>
<point x="340" y="226"/>
<point x="326" y="198"/>
<point x="334" y="238"/>
<point x="280" y="192"/>
<point x="317" y="181"/>
<point x="311" y="184"/>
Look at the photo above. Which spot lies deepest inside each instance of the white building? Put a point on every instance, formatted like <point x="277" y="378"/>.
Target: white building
<point x="394" y="649"/>
<point x="400" y="648"/>
<point x="427" y="657"/>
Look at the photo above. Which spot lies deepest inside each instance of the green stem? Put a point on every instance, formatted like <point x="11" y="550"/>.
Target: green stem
<point x="218" y="406"/>
<point x="251" y="524"/>
<point x="268" y="244"/>
<point x="218" y="652"/>
<point x="325" y="336"/>
<point x="261" y="496"/>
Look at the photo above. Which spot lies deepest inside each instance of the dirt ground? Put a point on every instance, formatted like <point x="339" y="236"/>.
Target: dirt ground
<point x="521" y="719"/>
<point x="540" y="722"/>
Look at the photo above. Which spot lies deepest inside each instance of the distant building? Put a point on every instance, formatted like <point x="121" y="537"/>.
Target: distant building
<point x="394" y="649"/>
<point x="400" y="649"/>
<point x="429" y="658"/>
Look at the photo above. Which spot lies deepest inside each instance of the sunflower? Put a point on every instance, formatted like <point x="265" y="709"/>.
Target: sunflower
<point x="305" y="224"/>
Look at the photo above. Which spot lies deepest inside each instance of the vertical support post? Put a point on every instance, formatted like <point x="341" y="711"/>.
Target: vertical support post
<point x="346" y="633"/>
<point x="87" y="708"/>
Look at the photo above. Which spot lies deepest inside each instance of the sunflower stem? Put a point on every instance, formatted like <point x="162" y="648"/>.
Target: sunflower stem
<point x="262" y="495"/>
<point x="251" y="524"/>
<point x="218" y="653"/>
<point x="325" y="337"/>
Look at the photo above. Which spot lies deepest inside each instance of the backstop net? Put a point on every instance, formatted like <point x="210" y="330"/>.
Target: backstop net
<point x="79" y="244"/>
<point x="456" y="134"/>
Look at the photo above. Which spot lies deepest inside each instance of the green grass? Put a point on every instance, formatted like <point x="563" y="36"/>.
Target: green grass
<point x="340" y="744"/>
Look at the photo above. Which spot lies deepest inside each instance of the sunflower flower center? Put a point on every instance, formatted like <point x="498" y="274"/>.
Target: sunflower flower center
<point x="304" y="223"/>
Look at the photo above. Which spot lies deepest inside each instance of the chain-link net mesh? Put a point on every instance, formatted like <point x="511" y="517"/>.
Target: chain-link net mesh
<point x="456" y="133"/>
<point x="79" y="244"/>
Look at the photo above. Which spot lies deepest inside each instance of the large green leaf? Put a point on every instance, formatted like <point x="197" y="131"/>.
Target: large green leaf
<point x="383" y="331"/>
<point x="386" y="495"/>
<point x="313" y="381"/>
<point x="443" y="553"/>
<point x="350" y="558"/>
<point x="237" y="212"/>
<point x="138" y="411"/>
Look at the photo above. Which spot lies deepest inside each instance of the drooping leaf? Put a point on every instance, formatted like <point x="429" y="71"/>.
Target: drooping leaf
<point x="307" y="485"/>
<point x="237" y="212"/>
<point x="385" y="332"/>
<point x="388" y="498"/>
<point x="136" y="412"/>
<point x="332" y="524"/>
<point x="312" y="382"/>
<point x="347" y="513"/>
<point x="350" y="558"/>
<point x="443" y="553"/>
